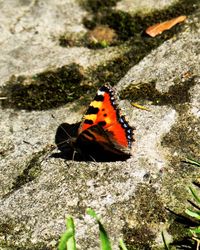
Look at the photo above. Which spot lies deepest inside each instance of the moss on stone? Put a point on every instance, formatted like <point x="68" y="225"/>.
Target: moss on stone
<point x="54" y="88"/>
<point x="177" y="94"/>
<point x="128" y="26"/>
<point x="148" y="210"/>
<point x="11" y="231"/>
<point x="138" y="238"/>
<point x="71" y="40"/>
<point x="46" y="90"/>
<point x="31" y="171"/>
<point x="183" y="136"/>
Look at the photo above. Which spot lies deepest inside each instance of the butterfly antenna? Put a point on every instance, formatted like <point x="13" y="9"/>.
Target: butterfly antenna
<point x="48" y="153"/>
<point x="67" y="134"/>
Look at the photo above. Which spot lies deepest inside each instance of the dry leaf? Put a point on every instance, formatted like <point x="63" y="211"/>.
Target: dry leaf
<point x="158" y="28"/>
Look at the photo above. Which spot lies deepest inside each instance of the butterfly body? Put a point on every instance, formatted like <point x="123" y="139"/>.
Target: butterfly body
<point x="103" y="133"/>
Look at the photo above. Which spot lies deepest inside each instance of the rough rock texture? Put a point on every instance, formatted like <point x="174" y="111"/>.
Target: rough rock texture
<point x="38" y="191"/>
<point x="142" y="5"/>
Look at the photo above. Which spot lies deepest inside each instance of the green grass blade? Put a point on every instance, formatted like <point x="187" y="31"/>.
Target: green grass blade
<point x="194" y="194"/>
<point x="64" y="238"/>
<point x="195" y="230"/>
<point x="193" y="162"/>
<point x="71" y="243"/>
<point x="92" y="213"/>
<point x="67" y="241"/>
<point x="104" y="239"/>
<point x="105" y="242"/>
<point x="192" y="213"/>
<point x="164" y="241"/>
<point x="122" y="245"/>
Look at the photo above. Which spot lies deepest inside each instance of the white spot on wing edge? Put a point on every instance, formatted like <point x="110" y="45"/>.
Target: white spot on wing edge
<point x="99" y="92"/>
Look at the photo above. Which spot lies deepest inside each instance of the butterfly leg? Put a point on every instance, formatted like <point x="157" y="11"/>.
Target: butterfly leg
<point x="92" y="158"/>
<point x="73" y="156"/>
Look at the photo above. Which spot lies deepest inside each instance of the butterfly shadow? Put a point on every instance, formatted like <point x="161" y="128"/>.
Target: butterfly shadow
<point x="66" y="141"/>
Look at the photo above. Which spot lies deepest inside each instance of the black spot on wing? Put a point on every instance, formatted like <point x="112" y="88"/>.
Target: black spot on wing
<point x="92" y="110"/>
<point x="104" y="89"/>
<point x="102" y="123"/>
<point x="99" y="98"/>
<point x="87" y="121"/>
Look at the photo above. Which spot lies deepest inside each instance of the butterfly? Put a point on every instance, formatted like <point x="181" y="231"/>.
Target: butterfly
<point x="102" y="135"/>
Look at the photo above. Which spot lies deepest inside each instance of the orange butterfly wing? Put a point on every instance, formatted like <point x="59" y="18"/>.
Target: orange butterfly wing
<point x="103" y="123"/>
